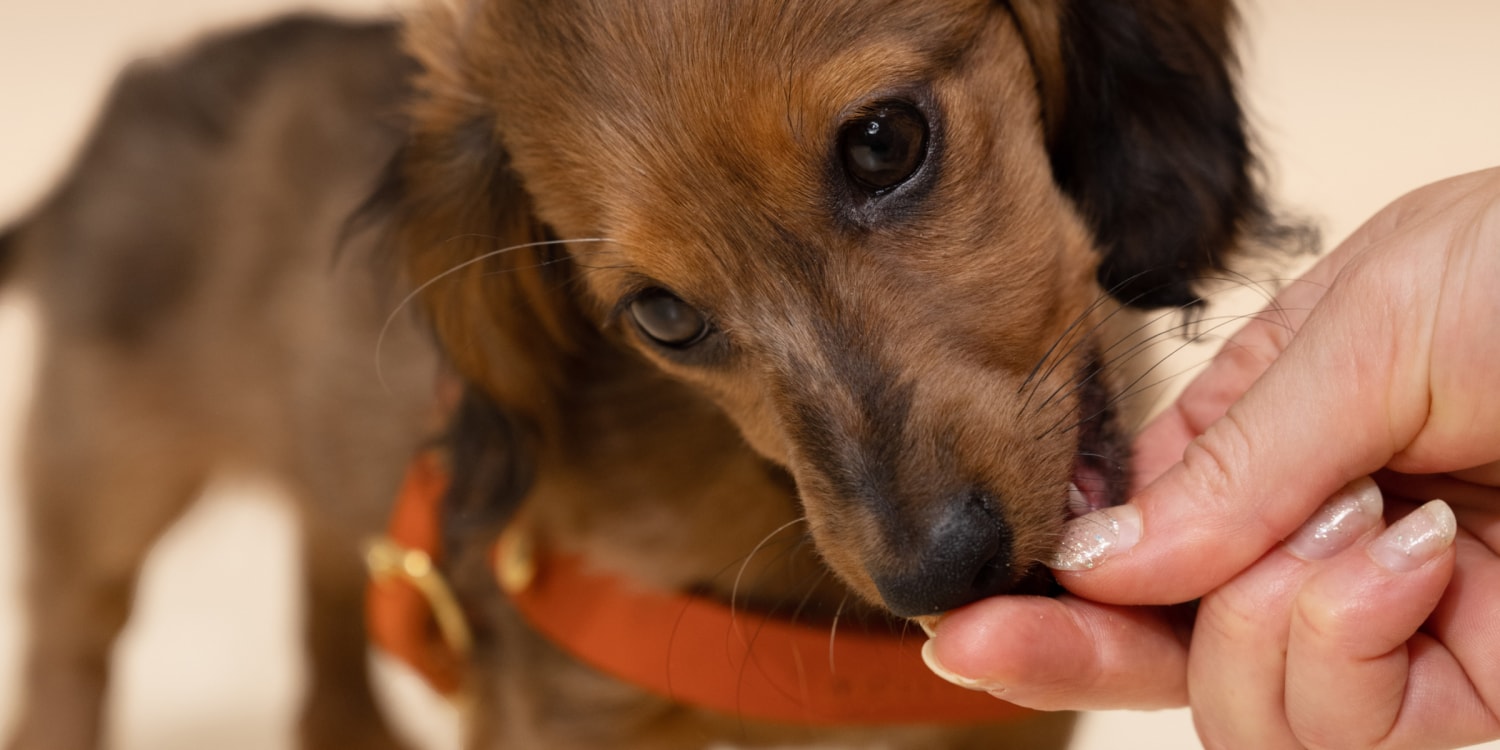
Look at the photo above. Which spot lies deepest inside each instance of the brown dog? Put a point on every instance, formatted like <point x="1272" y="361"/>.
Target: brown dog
<point x="722" y="276"/>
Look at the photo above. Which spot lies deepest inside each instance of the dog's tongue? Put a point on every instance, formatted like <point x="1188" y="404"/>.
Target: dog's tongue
<point x="1086" y="493"/>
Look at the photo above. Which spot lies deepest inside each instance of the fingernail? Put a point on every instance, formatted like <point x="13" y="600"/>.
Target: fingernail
<point x="1350" y="513"/>
<point x="929" y="657"/>
<point x="1416" y="539"/>
<point x="1090" y="539"/>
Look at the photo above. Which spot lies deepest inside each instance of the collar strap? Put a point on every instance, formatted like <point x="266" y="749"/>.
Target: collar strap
<point x="699" y="652"/>
<point x="410" y="612"/>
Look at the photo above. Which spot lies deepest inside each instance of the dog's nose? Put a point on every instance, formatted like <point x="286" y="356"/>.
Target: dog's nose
<point x="963" y="557"/>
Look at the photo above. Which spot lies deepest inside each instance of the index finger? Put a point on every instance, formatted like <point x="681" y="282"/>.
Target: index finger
<point x="1326" y="385"/>
<point x="1248" y="354"/>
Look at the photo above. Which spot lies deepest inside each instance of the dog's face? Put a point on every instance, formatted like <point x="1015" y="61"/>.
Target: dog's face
<point x="843" y="222"/>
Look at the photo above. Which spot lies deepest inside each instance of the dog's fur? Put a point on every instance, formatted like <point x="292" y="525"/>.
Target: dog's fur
<point x="908" y="377"/>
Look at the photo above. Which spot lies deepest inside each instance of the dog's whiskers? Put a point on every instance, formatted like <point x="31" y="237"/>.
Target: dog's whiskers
<point x="575" y="258"/>
<point x="1102" y="458"/>
<point x="1194" y="336"/>
<point x="1103" y="297"/>
<point x="1095" y="371"/>
<point x="1082" y="316"/>
<point x="1082" y="338"/>
<point x="812" y="588"/>
<point x="1131" y="389"/>
<point x="734" y="591"/>
<point x="1139" y="345"/>
<point x="1239" y="280"/>
<point x="1134" y="388"/>
<point x="424" y="286"/>
<point x="1129" y="393"/>
<point x="833" y="631"/>
<point x="571" y="282"/>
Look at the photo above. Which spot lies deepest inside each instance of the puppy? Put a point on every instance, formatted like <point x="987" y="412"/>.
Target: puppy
<point x="808" y="309"/>
<point x="736" y="275"/>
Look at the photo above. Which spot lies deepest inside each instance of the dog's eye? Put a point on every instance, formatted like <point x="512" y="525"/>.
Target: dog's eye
<point x="668" y="320"/>
<point x="885" y="146"/>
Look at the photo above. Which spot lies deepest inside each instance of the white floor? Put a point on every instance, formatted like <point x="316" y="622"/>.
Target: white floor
<point x="1356" y="101"/>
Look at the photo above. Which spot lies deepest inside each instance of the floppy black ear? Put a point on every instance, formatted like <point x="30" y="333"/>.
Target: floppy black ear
<point x="1147" y="136"/>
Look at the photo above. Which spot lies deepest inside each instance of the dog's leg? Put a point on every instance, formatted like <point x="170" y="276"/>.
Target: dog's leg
<point x="345" y="474"/>
<point x="102" y="482"/>
<point x="340" y="709"/>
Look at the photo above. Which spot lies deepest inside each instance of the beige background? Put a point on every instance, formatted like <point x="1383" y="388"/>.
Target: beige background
<point x="1356" y="101"/>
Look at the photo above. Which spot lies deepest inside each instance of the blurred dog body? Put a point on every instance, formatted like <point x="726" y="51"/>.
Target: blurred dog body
<point x="197" y="316"/>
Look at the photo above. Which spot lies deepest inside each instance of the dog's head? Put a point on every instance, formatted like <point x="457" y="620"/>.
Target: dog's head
<point x="878" y="235"/>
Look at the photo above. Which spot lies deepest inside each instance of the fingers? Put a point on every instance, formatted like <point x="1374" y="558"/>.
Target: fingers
<point x="1463" y="360"/>
<point x="1316" y="645"/>
<point x="1064" y="653"/>
<point x="1384" y="371"/>
<point x="1236" y="367"/>
<point x="1337" y="401"/>
<point x="1373" y="360"/>
<point x="1368" y="648"/>
<point x="1251" y="351"/>
<point x="1453" y="691"/>
<point x="1355" y="676"/>
<point x="1237" y="671"/>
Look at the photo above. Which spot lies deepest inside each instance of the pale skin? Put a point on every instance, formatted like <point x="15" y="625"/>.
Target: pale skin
<point x="1380" y="632"/>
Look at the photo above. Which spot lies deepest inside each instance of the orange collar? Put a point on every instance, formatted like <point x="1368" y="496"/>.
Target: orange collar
<point x="690" y="649"/>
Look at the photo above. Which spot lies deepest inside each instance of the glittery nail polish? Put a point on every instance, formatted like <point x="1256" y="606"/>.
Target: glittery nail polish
<point x="1416" y="539"/>
<point x="1088" y="540"/>
<point x="1351" y="512"/>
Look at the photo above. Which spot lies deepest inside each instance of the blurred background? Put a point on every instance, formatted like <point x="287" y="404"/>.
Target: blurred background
<point x="1354" y="102"/>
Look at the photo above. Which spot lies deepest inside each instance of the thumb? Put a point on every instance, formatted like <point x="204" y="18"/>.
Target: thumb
<point x="1324" y="386"/>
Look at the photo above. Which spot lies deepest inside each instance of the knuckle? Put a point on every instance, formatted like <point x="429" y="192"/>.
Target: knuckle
<point x="1219" y="462"/>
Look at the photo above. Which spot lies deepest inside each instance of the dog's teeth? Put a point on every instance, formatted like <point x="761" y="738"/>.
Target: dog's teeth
<point x="1078" y="503"/>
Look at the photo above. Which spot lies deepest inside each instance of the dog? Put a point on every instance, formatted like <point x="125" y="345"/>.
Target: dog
<point x="810" y="310"/>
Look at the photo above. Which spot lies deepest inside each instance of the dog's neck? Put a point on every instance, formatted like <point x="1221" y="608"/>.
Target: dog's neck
<point x="652" y="483"/>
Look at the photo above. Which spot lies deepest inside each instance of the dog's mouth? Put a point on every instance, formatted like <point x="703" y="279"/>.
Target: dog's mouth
<point x="1101" y="469"/>
<point x="1101" y="474"/>
<point x="1082" y="501"/>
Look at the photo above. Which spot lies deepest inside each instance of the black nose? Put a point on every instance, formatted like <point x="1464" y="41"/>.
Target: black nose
<point x="963" y="555"/>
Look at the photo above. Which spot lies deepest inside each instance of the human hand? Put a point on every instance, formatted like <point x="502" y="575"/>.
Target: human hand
<point x="1381" y="359"/>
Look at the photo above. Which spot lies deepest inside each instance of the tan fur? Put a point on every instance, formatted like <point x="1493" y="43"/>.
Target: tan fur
<point x="876" y="363"/>
<point x="674" y="206"/>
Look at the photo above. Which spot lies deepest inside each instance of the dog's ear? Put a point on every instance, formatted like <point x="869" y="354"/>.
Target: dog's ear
<point x="1146" y="135"/>
<point x="458" y="229"/>
<point x="494" y="287"/>
<point x="489" y="280"/>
